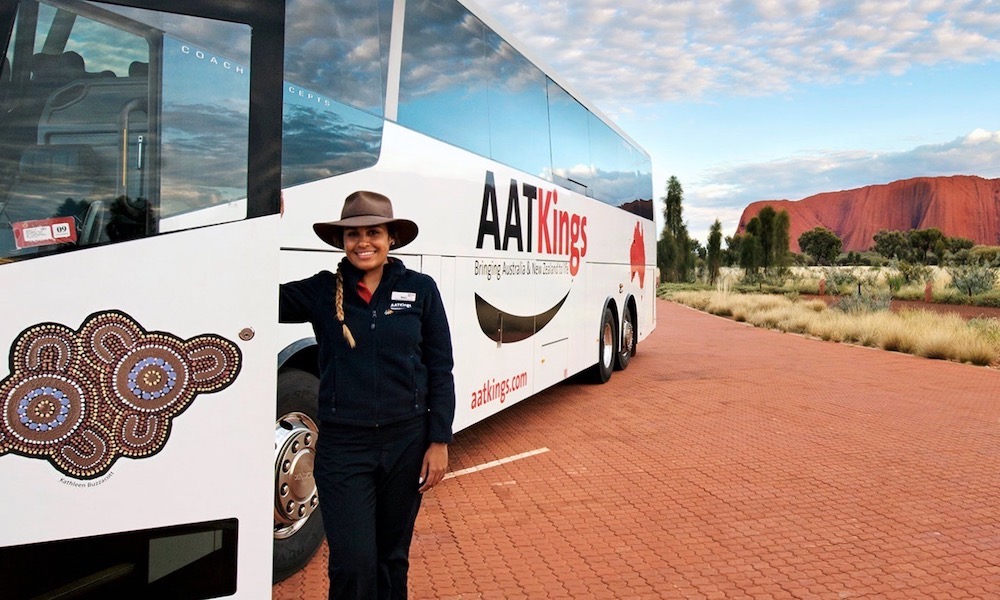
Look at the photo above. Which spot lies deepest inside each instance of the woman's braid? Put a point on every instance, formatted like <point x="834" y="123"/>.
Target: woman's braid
<point x="339" y="305"/>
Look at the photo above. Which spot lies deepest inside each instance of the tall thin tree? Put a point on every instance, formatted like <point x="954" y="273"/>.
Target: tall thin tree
<point x="714" y="258"/>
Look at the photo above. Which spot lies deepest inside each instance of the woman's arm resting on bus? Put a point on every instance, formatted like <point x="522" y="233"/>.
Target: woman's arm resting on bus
<point x="298" y="299"/>
<point x="435" y="466"/>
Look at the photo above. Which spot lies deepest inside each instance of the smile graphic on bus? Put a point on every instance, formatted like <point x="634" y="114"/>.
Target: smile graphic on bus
<point x="82" y="399"/>
<point x="505" y="327"/>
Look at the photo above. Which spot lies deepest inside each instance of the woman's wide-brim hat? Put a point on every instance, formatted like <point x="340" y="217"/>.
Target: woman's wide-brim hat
<point x="363" y="209"/>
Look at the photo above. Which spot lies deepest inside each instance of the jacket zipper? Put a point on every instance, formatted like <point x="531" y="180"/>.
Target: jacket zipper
<point x="374" y="348"/>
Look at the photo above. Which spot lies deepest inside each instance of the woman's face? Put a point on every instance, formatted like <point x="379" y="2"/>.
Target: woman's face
<point x="367" y="248"/>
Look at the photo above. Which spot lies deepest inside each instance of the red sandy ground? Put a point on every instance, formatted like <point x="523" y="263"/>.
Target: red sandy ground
<point x="726" y="462"/>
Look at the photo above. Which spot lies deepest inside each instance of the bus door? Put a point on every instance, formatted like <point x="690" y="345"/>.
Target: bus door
<point x="138" y="262"/>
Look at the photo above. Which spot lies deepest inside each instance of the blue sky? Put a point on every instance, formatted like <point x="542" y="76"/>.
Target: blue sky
<point x="767" y="99"/>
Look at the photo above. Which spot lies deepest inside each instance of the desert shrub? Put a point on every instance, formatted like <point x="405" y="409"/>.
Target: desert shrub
<point x="813" y="305"/>
<point x="991" y="298"/>
<point x="988" y="329"/>
<point x="972" y="279"/>
<point x="913" y="272"/>
<point x="947" y="337"/>
<point x="839" y="281"/>
<point x="667" y="288"/>
<point x="895" y="281"/>
<point x="987" y="254"/>
<point x="910" y="291"/>
<point x="698" y="300"/>
<point x="874" y="300"/>
<point x="950" y="296"/>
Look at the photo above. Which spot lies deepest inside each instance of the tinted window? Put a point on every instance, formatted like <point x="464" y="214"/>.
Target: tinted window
<point x="204" y="129"/>
<point x="335" y="71"/>
<point x="613" y="177"/>
<point x="443" y="84"/>
<point x="569" y="122"/>
<point x="109" y="132"/>
<point x="518" y="109"/>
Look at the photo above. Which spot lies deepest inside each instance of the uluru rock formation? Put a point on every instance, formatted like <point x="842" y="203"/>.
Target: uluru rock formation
<point x="960" y="206"/>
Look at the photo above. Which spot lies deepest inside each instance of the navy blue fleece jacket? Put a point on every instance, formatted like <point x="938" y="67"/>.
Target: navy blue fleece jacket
<point x="402" y="364"/>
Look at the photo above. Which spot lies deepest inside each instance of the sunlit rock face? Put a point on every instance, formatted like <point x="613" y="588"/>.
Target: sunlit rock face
<point x="960" y="206"/>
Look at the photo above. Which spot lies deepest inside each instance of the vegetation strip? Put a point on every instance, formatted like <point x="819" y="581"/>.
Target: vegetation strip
<point x="923" y="333"/>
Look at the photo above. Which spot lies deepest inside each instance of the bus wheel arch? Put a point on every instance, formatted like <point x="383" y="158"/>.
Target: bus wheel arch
<point x="298" y="524"/>
<point x="607" y="342"/>
<point x="628" y="336"/>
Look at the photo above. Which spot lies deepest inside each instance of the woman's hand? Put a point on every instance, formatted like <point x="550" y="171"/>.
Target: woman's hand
<point x="435" y="465"/>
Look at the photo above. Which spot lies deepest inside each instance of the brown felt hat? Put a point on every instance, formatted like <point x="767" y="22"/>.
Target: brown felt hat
<point x="362" y="209"/>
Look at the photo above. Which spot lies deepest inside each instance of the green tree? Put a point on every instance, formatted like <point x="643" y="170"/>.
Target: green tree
<point x="892" y="244"/>
<point x="676" y="251"/>
<point x="672" y="207"/>
<point x="957" y="244"/>
<point x="750" y="251"/>
<point x="731" y="256"/>
<point x="666" y="257"/>
<point x="714" y="253"/>
<point x="924" y="242"/>
<point x="765" y="235"/>
<point x="779" y="246"/>
<point x="686" y="254"/>
<point x="821" y="244"/>
<point x="769" y="232"/>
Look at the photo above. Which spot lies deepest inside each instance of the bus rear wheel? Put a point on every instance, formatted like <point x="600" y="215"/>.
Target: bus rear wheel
<point x="298" y="525"/>
<point x="628" y="341"/>
<point x="601" y="372"/>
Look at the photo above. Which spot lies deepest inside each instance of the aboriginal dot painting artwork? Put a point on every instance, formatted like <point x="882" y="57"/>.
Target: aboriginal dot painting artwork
<point x="83" y="399"/>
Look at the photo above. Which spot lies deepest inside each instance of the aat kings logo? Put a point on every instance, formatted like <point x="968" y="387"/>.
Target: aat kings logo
<point x="541" y="227"/>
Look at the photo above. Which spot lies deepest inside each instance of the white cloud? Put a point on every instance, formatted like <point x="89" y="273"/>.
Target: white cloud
<point x="696" y="49"/>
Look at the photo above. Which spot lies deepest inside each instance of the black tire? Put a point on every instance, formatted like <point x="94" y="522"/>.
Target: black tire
<point x="628" y="339"/>
<point x="606" y="344"/>
<point x="298" y="393"/>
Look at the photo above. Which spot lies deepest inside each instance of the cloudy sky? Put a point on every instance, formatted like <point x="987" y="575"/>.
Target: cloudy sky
<point x="748" y="100"/>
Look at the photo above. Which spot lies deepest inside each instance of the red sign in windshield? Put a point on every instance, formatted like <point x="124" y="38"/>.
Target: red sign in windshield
<point x="44" y="232"/>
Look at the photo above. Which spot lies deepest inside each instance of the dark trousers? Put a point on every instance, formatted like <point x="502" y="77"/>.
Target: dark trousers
<point x="367" y="480"/>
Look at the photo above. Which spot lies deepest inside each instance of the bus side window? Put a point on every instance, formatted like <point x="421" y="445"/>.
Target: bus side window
<point x="61" y="139"/>
<point x="111" y="130"/>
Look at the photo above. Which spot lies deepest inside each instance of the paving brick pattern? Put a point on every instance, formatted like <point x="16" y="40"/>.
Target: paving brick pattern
<point x="726" y="462"/>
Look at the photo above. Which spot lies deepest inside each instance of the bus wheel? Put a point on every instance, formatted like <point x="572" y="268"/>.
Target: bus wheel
<point x="298" y="525"/>
<point x="601" y="372"/>
<point x="627" y="346"/>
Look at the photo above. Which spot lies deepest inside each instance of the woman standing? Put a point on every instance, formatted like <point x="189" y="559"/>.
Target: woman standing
<point x="386" y="395"/>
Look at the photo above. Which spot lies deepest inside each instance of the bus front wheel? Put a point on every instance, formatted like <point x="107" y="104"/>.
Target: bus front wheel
<point x="601" y="372"/>
<point x="298" y="525"/>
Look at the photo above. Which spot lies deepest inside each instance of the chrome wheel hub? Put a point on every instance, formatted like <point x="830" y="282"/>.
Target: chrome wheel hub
<point x="608" y="340"/>
<point x="627" y="335"/>
<point x="295" y="495"/>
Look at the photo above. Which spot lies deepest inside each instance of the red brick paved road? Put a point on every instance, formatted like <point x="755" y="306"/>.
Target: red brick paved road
<point x="726" y="462"/>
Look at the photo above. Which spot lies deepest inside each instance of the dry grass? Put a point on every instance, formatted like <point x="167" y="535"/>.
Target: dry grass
<point x="927" y="334"/>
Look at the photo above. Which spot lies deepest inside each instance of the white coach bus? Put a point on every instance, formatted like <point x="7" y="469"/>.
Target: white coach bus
<point x="161" y="165"/>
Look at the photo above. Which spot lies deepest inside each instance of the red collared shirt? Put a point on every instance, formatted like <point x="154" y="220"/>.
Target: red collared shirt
<point x="364" y="292"/>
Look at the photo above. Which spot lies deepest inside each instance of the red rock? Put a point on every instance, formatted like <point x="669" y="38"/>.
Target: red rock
<point x="960" y="206"/>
